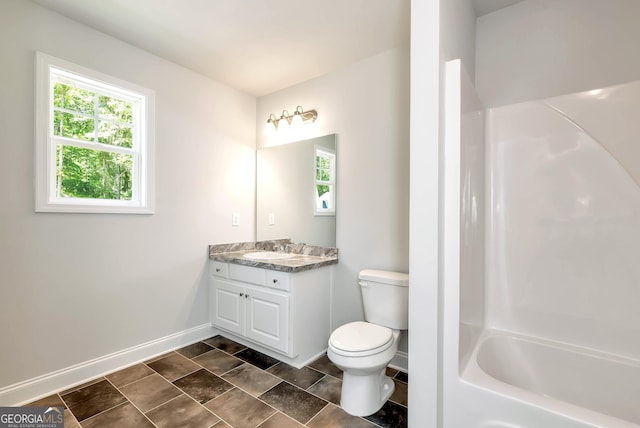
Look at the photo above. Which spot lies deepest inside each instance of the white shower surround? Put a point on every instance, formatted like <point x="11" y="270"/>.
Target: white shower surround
<point x="562" y="221"/>
<point x="565" y="219"/>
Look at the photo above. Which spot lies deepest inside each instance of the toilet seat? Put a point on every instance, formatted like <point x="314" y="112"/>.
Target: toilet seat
<point x="360" y="339"/>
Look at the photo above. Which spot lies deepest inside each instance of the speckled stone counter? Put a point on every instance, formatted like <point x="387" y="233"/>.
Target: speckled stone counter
<point x="306" y="257"/>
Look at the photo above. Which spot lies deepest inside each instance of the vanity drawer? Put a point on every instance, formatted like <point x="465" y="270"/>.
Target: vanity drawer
<point x="279" y="280"/>
<point x="220" y="269"/>
<point x="248" y="274"/>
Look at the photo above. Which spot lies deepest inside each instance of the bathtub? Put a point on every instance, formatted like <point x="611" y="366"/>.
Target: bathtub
<point x="599" y="389"/>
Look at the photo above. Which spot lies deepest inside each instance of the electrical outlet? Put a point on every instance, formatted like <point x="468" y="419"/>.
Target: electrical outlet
<point x="272" y="219"/>
<point x="235" y="219"/>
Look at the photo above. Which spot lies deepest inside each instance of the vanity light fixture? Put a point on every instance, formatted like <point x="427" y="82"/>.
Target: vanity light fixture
<point x="286" y="120"/>
<point x="271" y="126"/>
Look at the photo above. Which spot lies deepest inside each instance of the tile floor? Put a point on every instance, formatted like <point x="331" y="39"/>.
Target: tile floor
<point x="220" y="383"/>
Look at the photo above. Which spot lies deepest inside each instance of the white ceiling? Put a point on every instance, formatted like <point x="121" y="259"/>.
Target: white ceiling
<point x="256" y="46"/>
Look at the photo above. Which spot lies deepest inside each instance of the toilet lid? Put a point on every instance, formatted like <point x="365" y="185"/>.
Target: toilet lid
<point x="360" y="336"/>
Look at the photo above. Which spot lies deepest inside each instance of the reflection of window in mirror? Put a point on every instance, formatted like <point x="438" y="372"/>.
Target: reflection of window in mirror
<point x="325" y="182"/>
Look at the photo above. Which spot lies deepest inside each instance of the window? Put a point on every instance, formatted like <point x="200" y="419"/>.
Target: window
<point x="94" y="141"/>
<point x="325" y="182"/>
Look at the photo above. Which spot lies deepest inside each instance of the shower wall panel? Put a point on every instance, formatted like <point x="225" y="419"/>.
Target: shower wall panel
<point x="563" y="229"/>
<point x="472" y="213"/>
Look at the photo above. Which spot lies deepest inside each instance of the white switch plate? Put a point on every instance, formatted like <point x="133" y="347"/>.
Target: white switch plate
<point x="235" y="219"/>
<point x="272" y="219"/>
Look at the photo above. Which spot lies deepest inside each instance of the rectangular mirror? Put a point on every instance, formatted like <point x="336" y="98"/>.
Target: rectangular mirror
<point x="296" y="192"/>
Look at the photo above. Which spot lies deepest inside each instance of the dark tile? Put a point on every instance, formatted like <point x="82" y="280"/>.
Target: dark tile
<point x="328" y="388"/>
<point x="251" y="379"/>
<point x="325" y="365"/>
<point x="203" y="385"/>
<point x="53" y="400"/>
<point x="93" y="399"/>
<point x="334" y="417"/>
<point x="158" y="357"/>
<point x="82" y="385"/>
<point x="217" y="361"/>
<point x="280" y="420"/>
<point x="390" y="372"/>
<point x="194" y="350"/>
<point x="256" y="358"/>
<point x="400" y="393"/>
<point x="150" y="392"/>
<point x="403" y="377"/>
<point x="240" y="409"/>
<point x="221" y="424"/>
<point x="227" y="345"/>
<point x="293" y="401"/>
<point x="128" y="375"/>
<point x="183" y="412"/>
<point x="304" y="377"/>
<point x="174" y="366"/>
<point x="391" y="415"/>
<point x="124" y="415"/>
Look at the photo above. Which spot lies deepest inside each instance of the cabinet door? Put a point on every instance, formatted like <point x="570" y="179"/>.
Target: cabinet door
<point x="268" y="318"/>
<point x="228" y="306"/>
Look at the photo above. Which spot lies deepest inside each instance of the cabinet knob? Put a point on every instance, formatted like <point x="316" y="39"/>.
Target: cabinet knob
<point x="275" y="281"/>
<point x="246" y="296"/>
<point x="217" y="269"/>
<point x="241" y="294"/>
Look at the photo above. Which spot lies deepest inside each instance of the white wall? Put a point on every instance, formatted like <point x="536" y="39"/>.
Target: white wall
<point x="80" y="286"/>
<point x="440" y="30"/>
<point x="541" y="48"/>
<point x="424" y="327"/>
<point x="367" y="106"/>
<point x="458" y="34"/>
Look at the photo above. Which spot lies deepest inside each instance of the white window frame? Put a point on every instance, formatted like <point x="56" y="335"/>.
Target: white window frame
<point x="49" y="68"/>
<point x="331" y="210"/>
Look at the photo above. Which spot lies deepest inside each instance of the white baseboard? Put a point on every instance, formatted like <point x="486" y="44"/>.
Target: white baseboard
<point x="400" y="361"/>
<point x="42" y="386"/>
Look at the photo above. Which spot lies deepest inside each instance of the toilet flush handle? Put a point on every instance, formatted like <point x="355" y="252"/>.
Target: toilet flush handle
<point x="363" y="284"/>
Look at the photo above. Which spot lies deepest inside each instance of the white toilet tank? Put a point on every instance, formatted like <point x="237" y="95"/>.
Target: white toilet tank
<point x="385" y="296"/>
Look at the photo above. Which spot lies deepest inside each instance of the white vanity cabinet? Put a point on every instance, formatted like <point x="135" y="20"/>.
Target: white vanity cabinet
<point x="285" y="315"/>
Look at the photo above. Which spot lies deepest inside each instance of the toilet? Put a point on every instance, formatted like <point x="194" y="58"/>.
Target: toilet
<point x="362" y="350"/>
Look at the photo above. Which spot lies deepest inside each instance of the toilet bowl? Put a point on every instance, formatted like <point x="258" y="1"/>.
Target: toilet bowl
<point x="365" y="386"/>
<point x="362" y="350"/>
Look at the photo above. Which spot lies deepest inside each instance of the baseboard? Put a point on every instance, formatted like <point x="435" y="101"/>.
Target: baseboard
<point x="42" y="386"/>
<point x="400" y="361"/>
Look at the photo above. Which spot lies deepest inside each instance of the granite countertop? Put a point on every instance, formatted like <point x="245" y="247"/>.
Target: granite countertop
<point x="306" y="257"/>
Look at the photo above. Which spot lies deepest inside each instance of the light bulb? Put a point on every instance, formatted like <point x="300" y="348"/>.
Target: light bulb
<point x="270" y="127"/>
<point x="296" y="121"/>
<point x="283" y="124"/>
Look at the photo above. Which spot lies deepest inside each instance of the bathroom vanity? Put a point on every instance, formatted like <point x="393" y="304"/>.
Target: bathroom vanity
<point x="277" y="303"/>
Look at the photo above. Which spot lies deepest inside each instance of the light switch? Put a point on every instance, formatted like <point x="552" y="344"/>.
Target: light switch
<point x="235" y="219"/>
<point x="272" y="219"/>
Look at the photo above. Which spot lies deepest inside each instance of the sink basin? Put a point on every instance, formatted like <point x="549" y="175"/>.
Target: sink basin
<point x="268" y="255"/>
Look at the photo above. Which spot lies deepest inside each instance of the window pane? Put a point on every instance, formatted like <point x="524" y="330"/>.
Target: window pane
<point x="323" y="197"/>
<point x="116" y="110"/>
<point x="72" y="126"/>
<point x="322" y="162"/>
<point x="115" y="135"/>
<point x="86" y="173"/>
<point x="71" y="98"/>
<point x="323" y="175"/>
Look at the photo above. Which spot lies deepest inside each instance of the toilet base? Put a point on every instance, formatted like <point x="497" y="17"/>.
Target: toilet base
<point x="363" y="395"/>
